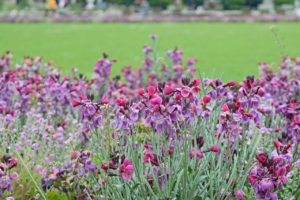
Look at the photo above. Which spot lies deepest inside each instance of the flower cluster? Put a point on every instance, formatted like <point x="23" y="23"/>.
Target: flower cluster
<point x="6" y="176"/>
<point x="159" y="131"/>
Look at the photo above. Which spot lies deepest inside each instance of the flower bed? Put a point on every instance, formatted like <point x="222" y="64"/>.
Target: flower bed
<point x="149" y="18"/>
<point x="160" y="132"/>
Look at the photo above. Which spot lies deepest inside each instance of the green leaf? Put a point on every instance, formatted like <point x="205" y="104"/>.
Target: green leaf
<point x="198" y="198"/>
<point x="135" y="187"/>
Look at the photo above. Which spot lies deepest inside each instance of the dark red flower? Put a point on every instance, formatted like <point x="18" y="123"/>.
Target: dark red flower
<point x="252" y="179"/>
<point x="249" y="115"/>
<point x="104" y="166"/>
<point x="262" y="158"/>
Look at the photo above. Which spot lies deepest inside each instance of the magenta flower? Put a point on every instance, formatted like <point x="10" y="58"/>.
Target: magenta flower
<point x="151" y="91"/>
<point x="121" y="101"/>
<point x="168" y="90"/>
<point x="126" y="169"/>
<point x="141" y="91"/>
<point x="252" y="179"/>
<point x="225" y="108"/>
<point x="261" y="92"/>
<point x="148" y="156"/>
<point x="199" y="154"/>
<point x="196" y="82"/>
<point x="280" y="173"/>
<point x="206" y="100"/>
<point x="155" y="102"/>
<point x="239" y="194"/>
<point x="185" y="92"/>
<point x="104" y="166"/>
<point x="76" y="103"/>
<point x="277" y="144"/>
<point x="215" y="148"/>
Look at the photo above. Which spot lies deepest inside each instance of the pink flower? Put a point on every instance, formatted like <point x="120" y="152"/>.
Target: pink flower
<point x="196" y="90"/>
<point x="156" y="101"/>
<point x="126" y="169"/>
<point x="230" y="83"/>
<point x="199" y="154"/>
<point x="66" y="78"/>
<point x="252" y="179"/>
<point x="261" y="92"/>
<point x="225" y="108"/>
<point x="239" y="194"/>
<point x="296" y="121"/>
<point x="277" y="144"/>
<point x="151" y="91"/>
<point x="280" y="173"/>
<point x="206" y="100"/>
<point x="104" y="100"/>
<point x="196" y="82"/>
<point x="215" y="149"/>
<point x="261" y="158"/>
<point x="141" y="91"/>
<point x="74" y="154"/>
<point x="249" y="115"/>
<point x="121" y="101"/>
<point x="75" y="103"/>
<point x="147" y="157"/>
<point x="14" y="175"/>
<point x="104" y="166"/>
<point x="177" y="96"/>
<point x="185" y="92"/>
<point x="168" y="90"/>
<point x="82" y="97"/>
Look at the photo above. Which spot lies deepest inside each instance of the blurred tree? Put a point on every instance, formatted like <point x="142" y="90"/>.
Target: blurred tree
<point x="160" y="3"/>
<point x="233" y="4"/>
<point x="280" y="2"/>
<point x="22" y="3"/>
<point x="198" y="2"/>
<point x="253" y="3"/>
<point x="121" y="2"/>
<point x="82" y="3"/>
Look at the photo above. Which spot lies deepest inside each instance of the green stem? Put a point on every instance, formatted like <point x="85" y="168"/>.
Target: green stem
<point x="35" y="183"/>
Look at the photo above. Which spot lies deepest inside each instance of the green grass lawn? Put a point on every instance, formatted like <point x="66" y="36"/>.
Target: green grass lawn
<point x="230" y="48"/>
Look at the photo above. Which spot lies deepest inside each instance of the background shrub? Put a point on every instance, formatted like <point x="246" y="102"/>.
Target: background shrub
<point x="160" y="3"/>
<point x="233" y="4"/>
<point x="280" y="2"/>
<point x="253" y="3"/>
<point x="122" y="2"/>
<point x="198" y="2"/>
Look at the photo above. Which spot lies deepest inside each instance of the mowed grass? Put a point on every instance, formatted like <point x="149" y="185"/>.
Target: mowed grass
<point x="231" y="49"/>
